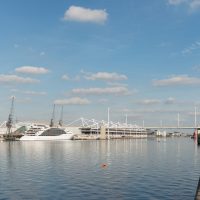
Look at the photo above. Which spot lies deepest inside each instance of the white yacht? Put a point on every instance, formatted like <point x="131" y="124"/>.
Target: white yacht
<point x="44" y="132"/>
<point x="160" y="133"/>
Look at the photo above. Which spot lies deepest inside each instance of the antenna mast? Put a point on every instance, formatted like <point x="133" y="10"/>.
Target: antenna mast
<point x="53" y="116"/>
<point x="9" y="123"/>
<point x="108" y="123"/>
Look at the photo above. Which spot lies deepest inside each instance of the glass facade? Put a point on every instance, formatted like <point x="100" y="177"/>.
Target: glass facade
<point x="53" y="132"/>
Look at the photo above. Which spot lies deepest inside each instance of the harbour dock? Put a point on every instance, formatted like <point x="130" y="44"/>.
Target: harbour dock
<point x="197" y="196"/>
<point x="105" y="137"/>
<point x="101" y="130"/>
<point x="10" y="137"/>
<point x="104" y="133"/>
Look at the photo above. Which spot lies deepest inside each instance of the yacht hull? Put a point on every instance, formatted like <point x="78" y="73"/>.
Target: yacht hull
<point x="49" y="138"/>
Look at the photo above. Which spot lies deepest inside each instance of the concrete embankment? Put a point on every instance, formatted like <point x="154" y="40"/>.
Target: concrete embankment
<point x="97" y="137"/>
<point x="85" y="137"/>
<point x="197" y="196"/>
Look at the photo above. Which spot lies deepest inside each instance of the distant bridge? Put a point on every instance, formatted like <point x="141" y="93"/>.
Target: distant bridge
<point x="170" y="127"/>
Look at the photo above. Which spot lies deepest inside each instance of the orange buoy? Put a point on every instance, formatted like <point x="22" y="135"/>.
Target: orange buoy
<point x="104" y="165"/>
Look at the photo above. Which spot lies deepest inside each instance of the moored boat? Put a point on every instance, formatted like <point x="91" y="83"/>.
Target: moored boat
<point x="44" y="132"/>
<point x="196" y="135"/>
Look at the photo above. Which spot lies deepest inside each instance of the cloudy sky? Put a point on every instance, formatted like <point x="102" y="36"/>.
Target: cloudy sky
<point x="140" y="58"/>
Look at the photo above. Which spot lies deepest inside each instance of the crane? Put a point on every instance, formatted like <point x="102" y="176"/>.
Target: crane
<point x="53" y="116"/>
<point x="9" y="123"/>
<point x="61" y="117"/>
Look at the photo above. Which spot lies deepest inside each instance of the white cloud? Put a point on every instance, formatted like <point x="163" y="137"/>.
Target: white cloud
<point x="101" y="91"/>
<point x="196" y="68"/>
<point x="16" y="79"/>
<point x="32" y="70"/>
<point x="72" y="101"/>
<point x="177" y="80"/>
<point x="170" y="100"/>
<point x="34" y="93"/>
<point x="106" y="76"/>
<point x="29" y="92"/>
<point x="149" y="101"/>
<point x="194" y="46"/>
<point x="117" y="84"/>
<point x="42" y="53"/>
<point x="191" y="4"/>
<point x="65" y="77"/>
<point x="80" y="14"/>
<point x="195" y="4"/>
<point x="176" y="2"/>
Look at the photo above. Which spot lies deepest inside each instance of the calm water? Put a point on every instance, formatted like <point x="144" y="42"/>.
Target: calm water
<point x="136" y="169"/>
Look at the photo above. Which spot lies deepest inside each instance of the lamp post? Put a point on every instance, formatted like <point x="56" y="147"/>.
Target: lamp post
<point x="108" y="123"/>
<point x="195" y="116"/>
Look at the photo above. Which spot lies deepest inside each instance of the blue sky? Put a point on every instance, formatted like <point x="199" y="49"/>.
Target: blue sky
<point x="140" y="58"/>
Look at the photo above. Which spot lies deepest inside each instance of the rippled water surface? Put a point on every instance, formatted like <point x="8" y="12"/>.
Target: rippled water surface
<point x="135" y="169"/>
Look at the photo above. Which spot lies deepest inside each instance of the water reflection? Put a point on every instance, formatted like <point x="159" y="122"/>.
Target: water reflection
<point x="141" y="168"/>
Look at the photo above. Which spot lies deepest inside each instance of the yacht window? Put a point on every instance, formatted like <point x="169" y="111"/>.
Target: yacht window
<point x="53" y="132"/>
